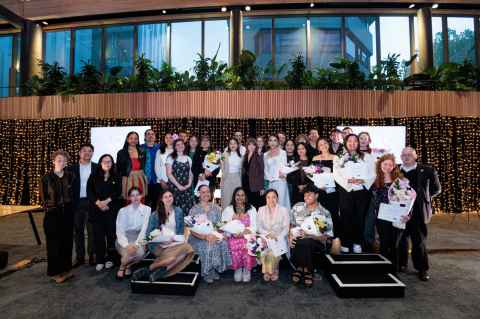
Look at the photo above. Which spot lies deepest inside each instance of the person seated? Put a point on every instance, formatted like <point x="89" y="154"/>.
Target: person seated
<point x="240" y="209"/>
<point x="172" y="253"/>
<point x="273" y="224"/>
<point x="212" y="250"/>
<point x="131" y="226"/>
<point x="303" y="246"/>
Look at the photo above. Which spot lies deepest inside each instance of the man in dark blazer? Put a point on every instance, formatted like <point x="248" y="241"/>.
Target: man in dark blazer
<point x="82" y="171"/>
<point x="336" y="139"/>
<point x="424" y="179"/>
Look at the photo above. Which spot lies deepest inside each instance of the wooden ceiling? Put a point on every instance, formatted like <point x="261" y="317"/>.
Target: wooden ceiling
<point x="58" y="9"/>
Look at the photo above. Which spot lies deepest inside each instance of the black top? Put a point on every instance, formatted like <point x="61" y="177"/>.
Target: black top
<point x="311" y="151"/>
<point x="197" y="163"/>
<point x="75" y="169"/>
<point x="124" y="163"/>
<point x="99" y="189"/>
<point x="298" y="178"/>
<point x="324" y="163"/>
<point x="291" y="158"/>
<point x="55" y="191"/>
<point x="340" y="149"/>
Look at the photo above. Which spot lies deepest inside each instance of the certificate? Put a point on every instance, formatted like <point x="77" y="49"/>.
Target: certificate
<point x="326" y="180"/>
<point x="278" y="247"/>
<point x="355" y="170"/>
<point x="393" y="212"/>
<point x="285" y="170"/>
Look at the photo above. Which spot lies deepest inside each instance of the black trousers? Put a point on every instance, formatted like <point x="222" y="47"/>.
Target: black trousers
<point x="353" y="209"/>
<point x="152" y="196"/>
<point x="416" y="230"/>
<point x="389" y="242"/>
<point x="81" y="220"/>
<point x="104" y="234"/>
<point x="304" y="250"/>
<point x="255" y="199"/>
<point x="58" y="227"/>
<point x="330" y="202"/>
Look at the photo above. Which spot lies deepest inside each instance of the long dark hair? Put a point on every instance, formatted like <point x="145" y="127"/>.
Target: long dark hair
<point x="161" y="211"/>
<point x="358" y="151"/>
<point x="306" y="151"/>
<point x="253" y="142"/>
<point x="125" y="145"/>
<point x="101" y="172"/>
<point x="247" y="204"/>
<point x="238" y="146"/>
<point x="174" y="154"/>
<point x="329" y="142"/>
<point x="369" y="149"/>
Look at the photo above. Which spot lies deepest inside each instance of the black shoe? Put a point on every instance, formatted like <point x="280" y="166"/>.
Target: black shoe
<point x="91" y="260"/>
<point x="158" y="274"/>
<point x="424" y="276"/>
<point x="79" y="262"/>
<point x="141" y="274"/>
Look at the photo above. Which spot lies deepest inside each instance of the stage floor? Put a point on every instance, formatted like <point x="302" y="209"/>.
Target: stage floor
<point x="453" y="291"/>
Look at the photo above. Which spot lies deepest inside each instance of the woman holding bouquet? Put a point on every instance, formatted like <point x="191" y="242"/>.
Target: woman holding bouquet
<point x="231" y="171"/>
<point x="213" y="252"/>
<point x="252" y="174"/>
<point x="173" y="255"/>
<point x="180" y="176"/>
<point x="354" y="172"/>
<point x="240" y="209"/>
<point x="273" y="223"/>
<point x="298" y="179"/>
<point x="328" y="197"/>
<point x="130" y="163"/>
<point x="104" y="190"/>
<point x="131" y="227"/>
<point x="387" y="173"/>
<point x="274" y="160"/>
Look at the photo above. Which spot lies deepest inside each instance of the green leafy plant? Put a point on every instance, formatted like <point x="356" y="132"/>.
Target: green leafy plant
<point x="298" y="77"/>
<point x="209" y="73"/>
<point x="51" y="82"/>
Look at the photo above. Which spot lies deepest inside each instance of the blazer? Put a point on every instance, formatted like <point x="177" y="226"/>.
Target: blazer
<point x="153" y="224"/>
<point x="75" y="170"/>
<point x="56" y="192"/>
<point x="124" y="163"/>
<point x="99" y="189"/>
<point x="252" y="172"/>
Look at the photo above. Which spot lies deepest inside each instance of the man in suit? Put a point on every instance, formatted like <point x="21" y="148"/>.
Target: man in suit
<point x="82" y="171"/>
<point x="336" y="138"/>
<point x="424" y="180"/>
<point x="312" y="137"/>
<point x="151" y="148"/>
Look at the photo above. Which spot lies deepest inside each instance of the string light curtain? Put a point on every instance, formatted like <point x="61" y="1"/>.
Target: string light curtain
<point x="450" y="144"/>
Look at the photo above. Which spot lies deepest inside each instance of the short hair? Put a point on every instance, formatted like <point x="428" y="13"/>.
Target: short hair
<point x="60" y="153"/>
<point x="310" y="189"/>
<point x="347" y="128"/>
<point x="411" y="149"/>
<point x="150" y="129"/>
<point x="312" y="129"/>
<point x="335" y="130"/>
<point x="87" y="145"/>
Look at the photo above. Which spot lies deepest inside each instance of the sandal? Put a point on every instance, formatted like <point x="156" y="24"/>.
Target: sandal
<point x="274" y="276"/>
<point x="120" y="273"/>
<point x="308" y="279"/>
<point x="297" y="276"/>
<point x="266" y="277"/>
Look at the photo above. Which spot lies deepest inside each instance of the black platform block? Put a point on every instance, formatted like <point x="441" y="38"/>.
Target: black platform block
<point x="3" y="259"/>
<point x="182" y="283"/>
<point x="367" y="285"/>
<point x="357" y="264"/>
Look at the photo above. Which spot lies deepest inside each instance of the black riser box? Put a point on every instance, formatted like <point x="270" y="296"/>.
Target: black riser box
<point x="367" y="285"/>
<point x="182" y="283"/>
<point x="357" y="264"/>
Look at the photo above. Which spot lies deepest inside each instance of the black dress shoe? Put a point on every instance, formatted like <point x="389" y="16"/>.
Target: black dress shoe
<point x="424" y="276"/>
<point x="79" y="262"/>
<point x="91" y="260"/>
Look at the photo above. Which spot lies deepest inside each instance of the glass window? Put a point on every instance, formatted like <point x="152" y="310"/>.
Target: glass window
<point x="325" y="34"/>
<point x="461" y="39"/>
<point x="186" y="44"/>
<point x="437" y="38"/>
<point x="216" y="34"/>
<point x="290" y="41"/>
<point x="257" y="38"/>
<point x="57" y="48"/>
<point x="360" y="41"/>
<point x="119" y="48"/>
<point x="6" y="48"/>
<point x="395" y="37"/>
<point x="88" y="48"/>
<point x="153" y="43"/>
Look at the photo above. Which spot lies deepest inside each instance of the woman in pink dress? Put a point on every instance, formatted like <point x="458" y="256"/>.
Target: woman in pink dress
<point x="241" y="210"/>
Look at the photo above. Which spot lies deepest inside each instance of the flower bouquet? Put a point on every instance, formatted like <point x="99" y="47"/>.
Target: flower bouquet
<point x="201" y="225"/>
<point x="255" y="245"/>
<point x="347" y="157"/>
<point x="233" y="227"/>
<point x="401" y="193"/>
<point x="289" y="168"/>
<point x="212" y="161"/>
<point x="321" y="177"/>
<point x="313" y="225"/>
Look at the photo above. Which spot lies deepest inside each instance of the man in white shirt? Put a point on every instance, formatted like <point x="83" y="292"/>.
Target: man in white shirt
<point x="82" y="171"/>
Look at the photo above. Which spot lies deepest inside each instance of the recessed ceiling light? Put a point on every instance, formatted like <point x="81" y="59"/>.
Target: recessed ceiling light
<point x="435" y="6"/>
<point x="164" y="11"/>
<point x="44" y="22"/>
<point x="247" y="8"/>
<point x="224" y="9"/>
<point x="411" y="6"/>
<point x="312" y="4"/>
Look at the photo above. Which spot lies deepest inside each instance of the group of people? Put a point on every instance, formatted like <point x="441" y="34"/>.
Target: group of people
<point x="153" y="186"/>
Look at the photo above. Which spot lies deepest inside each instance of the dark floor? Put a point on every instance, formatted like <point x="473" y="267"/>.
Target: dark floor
<point x="453" y="292"/>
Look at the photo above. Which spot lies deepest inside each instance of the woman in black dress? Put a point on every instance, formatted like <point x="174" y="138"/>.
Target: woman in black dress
<point x="298" y="179"/>
<point x="328" y="197"/>
<point x="252" y="174"/>
<point x="56" y="195"/>
<point x="104" y="193"/>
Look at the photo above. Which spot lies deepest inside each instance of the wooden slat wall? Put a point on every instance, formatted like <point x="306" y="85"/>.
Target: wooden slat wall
<point x="245" y="104"/>
<point x="52" y="9"/>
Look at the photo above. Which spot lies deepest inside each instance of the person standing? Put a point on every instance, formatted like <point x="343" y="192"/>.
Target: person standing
<point x="161" y="160"/>
<point x="336" y="138"/>
<point x="424" y="180"/>
<point x="274" y="160"/>
<point x="298" y="179"/>
<point x="231" y="171"/>
<point x="56" y="196"/>
<point x="131" y="165"/>
<point x="313" y="137"/>
<point x="82" y="172"/>
<point x="282" y="139"/>
<point x="104" y="193"/>
<point x="354" y="172"/>
<point x="150" y="148"/>
<point x="252" y="174"/>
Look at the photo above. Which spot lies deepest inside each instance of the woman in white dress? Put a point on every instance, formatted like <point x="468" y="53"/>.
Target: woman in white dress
<point x="231" y="171"/>
<point x="354" y="171"/>
<point x="161" y="160"/>
<point x="274" y="160"/>
<point x="131" y="227"/>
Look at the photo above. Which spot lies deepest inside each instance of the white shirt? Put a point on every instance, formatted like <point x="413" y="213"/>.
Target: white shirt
<point x="160" y="168"/>
<point x="273" y="165"/>
<point x="243" y="150"/>
<point x="132" y="224"/>
<point x="234" y="163"/>
<point x="85" y="171"/>
<point x="170" y="223"/>
<point x="339" y="172"/>
<point x="407" y="169"/>
<point x="228" y="213"/>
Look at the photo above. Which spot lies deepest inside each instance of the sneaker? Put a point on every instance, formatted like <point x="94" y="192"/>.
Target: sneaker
<point x="216" y="275"/>
<point x="246" y="275"/>
<point x="128" y="272"/>
<point x="344" y="250"/>
<point x="357" y="249"/>
<point x="237" y="276"/>
<point x="208" y="280"/>
<point x="99" y="267"/>
<point x="108" y="265"/>
<point x="141" y="274"/>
